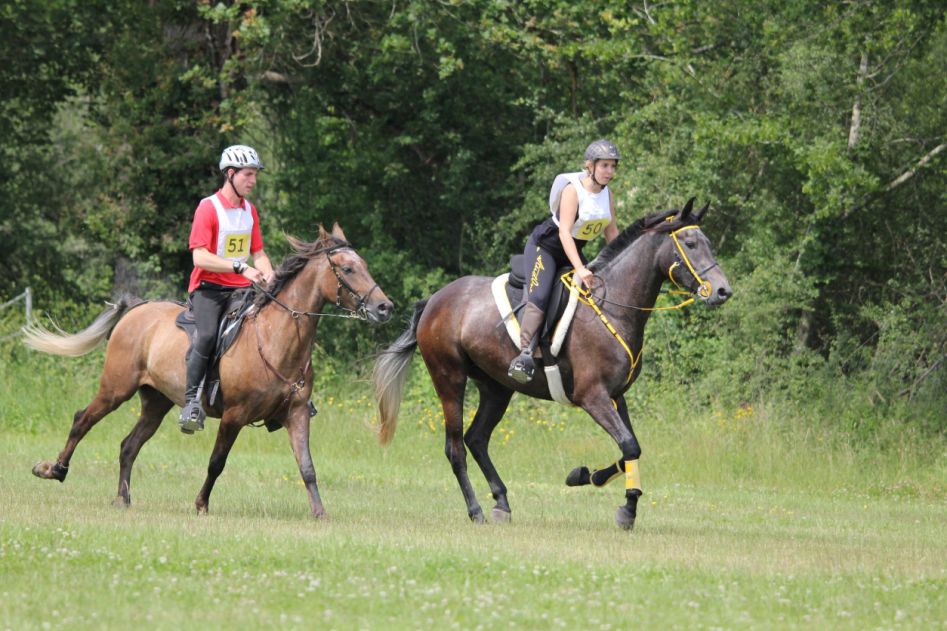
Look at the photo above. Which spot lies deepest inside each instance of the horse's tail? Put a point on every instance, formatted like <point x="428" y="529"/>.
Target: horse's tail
<point x="42" y="339"/>
<point x="389" y="374"/>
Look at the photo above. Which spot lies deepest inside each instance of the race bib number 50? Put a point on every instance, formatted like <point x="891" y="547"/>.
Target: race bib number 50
<point x="592" y="229"/>
<point x="237" y="245"/>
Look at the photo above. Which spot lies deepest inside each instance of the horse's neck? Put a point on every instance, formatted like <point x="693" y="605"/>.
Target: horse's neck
<point x="294" y="336"/>
<point x="633" y="278"/>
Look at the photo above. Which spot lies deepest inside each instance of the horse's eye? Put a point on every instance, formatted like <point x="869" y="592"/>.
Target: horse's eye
<point x="691" y="244"/>
<point x="346" y="269"/>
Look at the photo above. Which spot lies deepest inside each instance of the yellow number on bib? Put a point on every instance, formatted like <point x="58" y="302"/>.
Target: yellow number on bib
<point x="592" y="229"/>
<point x="237" y="245"/>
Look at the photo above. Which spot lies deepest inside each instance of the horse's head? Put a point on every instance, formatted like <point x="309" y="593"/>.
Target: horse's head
<point x="689" y="260"/>
<point x="347" y="282"/>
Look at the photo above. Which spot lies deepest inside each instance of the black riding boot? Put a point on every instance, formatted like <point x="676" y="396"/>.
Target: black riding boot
<point x="522" y="366"/>
<point x="192" y="414"/>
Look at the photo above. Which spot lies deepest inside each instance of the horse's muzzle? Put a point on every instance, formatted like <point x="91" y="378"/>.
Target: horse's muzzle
<point x="380" y="312"/>
<point x="718" y="294"/>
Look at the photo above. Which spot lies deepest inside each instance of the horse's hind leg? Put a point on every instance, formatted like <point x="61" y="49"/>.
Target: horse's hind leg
<point x="226" y="436"/>
<point x="105" y="402"/>
<point x="154" y="406"/>
<point x="449" y="382"/>
<point x="494" y="400"/>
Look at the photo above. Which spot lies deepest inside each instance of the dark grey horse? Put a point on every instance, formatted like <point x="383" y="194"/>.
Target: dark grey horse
<point x="456" y="330"/>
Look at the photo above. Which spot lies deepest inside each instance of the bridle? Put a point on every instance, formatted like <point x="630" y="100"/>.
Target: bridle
<point x="704" y="287"/>
<point x="360" y="311"/>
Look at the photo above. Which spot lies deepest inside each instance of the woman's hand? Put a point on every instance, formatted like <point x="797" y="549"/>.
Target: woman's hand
<point x="585" y="276"/>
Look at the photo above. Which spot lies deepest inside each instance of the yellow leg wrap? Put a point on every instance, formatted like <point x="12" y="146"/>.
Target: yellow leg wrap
<point x="632" y="477"/>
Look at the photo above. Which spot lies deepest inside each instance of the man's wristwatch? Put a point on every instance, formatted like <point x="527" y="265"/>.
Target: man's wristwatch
<point x="239" y="267"/>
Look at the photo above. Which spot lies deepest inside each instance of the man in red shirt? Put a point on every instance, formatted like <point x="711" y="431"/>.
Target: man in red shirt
<point x="224" y="235"/>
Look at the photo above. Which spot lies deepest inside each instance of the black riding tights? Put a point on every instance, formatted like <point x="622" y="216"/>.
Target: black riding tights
<point x="540" y="267"/>
<point x="208" y="304"/>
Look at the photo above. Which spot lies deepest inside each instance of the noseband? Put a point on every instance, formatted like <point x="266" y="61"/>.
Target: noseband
<point x="361" y="310"/>
<point x="704" y="288"/>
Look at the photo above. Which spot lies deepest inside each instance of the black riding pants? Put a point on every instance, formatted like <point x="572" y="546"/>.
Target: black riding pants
<point x="544" y="255"/>
<point x="208" y="303"/>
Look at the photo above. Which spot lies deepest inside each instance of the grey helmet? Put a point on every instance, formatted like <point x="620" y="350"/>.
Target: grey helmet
<point x="601" y="150"/>
<point x="239" y="157"/>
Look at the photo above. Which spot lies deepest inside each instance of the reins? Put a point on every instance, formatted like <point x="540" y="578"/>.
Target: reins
<point x="585" y="296"/>
<point x="359" y="312"/>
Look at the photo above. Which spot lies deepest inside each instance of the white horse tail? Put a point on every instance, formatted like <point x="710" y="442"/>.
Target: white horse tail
<point x="42" y="339"/>
<point x="389" y="374"/>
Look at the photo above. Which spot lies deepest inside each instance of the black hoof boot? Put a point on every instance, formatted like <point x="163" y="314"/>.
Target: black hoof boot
<point x="579" y="477"/>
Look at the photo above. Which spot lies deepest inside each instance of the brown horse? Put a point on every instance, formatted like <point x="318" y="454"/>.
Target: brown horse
<point x="266" y="374"/>
<point x="458" y="332"/>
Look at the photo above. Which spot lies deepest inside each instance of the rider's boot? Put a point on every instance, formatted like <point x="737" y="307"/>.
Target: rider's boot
<point x="523" y="366"/>
<point x="192" y="414"/>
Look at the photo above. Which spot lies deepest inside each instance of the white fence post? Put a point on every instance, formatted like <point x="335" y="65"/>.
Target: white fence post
<point x="29" y="305"/>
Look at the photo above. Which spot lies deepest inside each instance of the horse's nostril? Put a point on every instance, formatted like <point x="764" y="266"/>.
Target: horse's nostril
<point x="724" y="292"/>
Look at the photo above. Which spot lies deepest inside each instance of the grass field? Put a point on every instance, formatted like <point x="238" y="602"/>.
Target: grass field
<point x="748" y="521"/>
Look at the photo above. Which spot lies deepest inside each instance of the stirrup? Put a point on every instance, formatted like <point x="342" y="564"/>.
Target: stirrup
<point x="192" y="417"/>
<point x="522" y="368"/>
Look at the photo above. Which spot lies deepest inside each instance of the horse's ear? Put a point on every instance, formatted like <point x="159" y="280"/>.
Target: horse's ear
<point x="686" y="211"/>
<point x="699" y="215"/>
<point x="337" y="232"/>
<point x="322" y="233"/>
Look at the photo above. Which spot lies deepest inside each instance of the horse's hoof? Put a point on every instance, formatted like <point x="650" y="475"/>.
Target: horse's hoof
<point x="624" y="518"/>
<point x="201" y="510"/>
<point x="477" y="517"/>
<point x="50" y="470"/>
<point x="323" y="516"/>
<point x="121" y="502"/>
<point x="579" y="476"/>
<point x="501" y="516"/>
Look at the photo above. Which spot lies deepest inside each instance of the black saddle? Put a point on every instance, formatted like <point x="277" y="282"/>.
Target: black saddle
<point x="240" y="302"/>
<point x="558" y="299"/>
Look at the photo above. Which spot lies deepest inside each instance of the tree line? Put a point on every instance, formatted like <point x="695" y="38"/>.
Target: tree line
<point x="431" y="131"/>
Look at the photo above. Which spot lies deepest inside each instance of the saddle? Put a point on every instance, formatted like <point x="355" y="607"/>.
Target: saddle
<point x="508" y="290"/>
<point x="238" y="308"/>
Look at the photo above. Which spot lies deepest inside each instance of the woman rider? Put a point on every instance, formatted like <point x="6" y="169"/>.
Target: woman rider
<point x="582" y="211"/>
<point x="224" y="234"/>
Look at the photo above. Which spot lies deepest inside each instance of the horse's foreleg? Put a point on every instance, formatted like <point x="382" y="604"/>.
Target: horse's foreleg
<point x="494" y="400"/>
<point x="154" y="406"/>
<point x="581" y="476"/>
<point x="297" y="426"/>
<point x="226" y="436"/>
<point x="103" y="403"/>
<point x="608" y="416"/>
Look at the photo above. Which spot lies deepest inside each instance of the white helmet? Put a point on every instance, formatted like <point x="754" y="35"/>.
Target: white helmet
<point x="239" y="157"/>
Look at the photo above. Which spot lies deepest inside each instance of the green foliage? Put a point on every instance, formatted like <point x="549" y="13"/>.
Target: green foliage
<point x="431" y="133"/>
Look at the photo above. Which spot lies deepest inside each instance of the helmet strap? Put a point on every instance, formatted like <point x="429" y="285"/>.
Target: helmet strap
<point x="592" y="174"/>
<point x="232" y="187"/>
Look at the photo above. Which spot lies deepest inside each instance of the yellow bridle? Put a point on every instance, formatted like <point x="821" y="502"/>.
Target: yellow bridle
<point x="704" y="288"/>
<point x="585" y="296"/>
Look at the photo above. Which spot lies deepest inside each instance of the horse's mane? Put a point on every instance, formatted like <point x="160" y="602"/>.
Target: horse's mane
<point x="292" y="264"/>
<point x="661" y="222"/>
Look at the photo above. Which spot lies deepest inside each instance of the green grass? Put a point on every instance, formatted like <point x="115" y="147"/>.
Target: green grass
<point x="750" y="519"/>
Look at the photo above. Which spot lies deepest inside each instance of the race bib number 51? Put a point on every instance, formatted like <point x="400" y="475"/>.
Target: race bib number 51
<point x="237" y="245"/>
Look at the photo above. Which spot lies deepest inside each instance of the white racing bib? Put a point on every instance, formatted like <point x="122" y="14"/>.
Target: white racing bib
<point x="594" y="213"/>
<point x="234" y="228"/>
